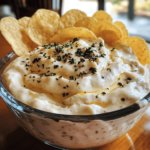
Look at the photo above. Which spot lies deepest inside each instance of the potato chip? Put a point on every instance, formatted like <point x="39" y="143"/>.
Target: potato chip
<point x="102" y="15"/>
<point x="124" y="31"/>
<point x="71" y="33"/>
<point x="24" y="21"/>
<point x="0" y="25"/>
<point x="71" y="17"/>
<point x="108" y="31"/>
<point x="17" y="36"/>
<point x="43" y="25"/>
<point x="141" y="49"/>
<point x="85" y="22"/>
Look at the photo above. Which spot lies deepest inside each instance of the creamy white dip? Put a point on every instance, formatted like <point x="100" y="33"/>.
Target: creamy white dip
<point x="80" y="78"/>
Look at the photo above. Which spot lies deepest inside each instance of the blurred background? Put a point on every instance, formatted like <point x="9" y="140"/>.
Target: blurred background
<point x="135" y="14"/>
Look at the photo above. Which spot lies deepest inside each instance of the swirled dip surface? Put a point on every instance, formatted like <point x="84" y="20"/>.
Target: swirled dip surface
<point x="78" y="77"/>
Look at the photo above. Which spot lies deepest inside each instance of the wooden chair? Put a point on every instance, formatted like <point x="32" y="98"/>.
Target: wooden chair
<point x="101" y="4"/>
<point x="28" y="7"/>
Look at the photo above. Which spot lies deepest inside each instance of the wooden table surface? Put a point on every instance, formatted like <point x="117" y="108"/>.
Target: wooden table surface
<point x="13" y="137"/>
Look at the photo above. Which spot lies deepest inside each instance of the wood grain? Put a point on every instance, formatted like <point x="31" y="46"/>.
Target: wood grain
<point x="12" y="137"/>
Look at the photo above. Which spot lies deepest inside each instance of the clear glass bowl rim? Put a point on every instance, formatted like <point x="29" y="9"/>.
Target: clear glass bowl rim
<point x="13" y="102"/>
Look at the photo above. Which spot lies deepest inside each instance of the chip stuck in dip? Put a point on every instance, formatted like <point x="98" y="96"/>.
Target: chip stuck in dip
<point x="88" y="66"/>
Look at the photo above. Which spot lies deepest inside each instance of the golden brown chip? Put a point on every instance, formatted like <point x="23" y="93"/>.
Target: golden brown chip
<point x="108" y="31"/>
<point x="141" y="49"/>
<point x="124" y="31"/>
<point x="17" y="36"/>
<point x="24" y="21"/>
<point x="85" y="22"/>
<point x="71" y="33"/>
<point x="43" y="25"/>
<point x="71" y="17"/>
<point x="102" y="15"/>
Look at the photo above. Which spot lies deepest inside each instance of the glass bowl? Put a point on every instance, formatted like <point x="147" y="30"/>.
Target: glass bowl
<point x="72" y="131"/>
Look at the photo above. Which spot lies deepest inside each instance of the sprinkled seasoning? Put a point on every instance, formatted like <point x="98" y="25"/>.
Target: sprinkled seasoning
<point x="113" y="49"/>
<point x="109" y="69"/>
<point x="43" y="65"/>
<point x="82" y="60"/>
<point x="103" y="93"/>
<point x="120" y="84"/>
<point x="128" y="80"/>
<point x="36" y="60"/>
<point x="65" y="60"/>
<point x="93" y="70"/>
<point x="122" y="99"/>
<point x="93" y="45"/>
<point x="71" y="78"/>
<point x="101" y="44"/>
<point x="103" y="55"/>
<point x="63" y="94"/>
<point x="58" y="49"/>
<point x="75" y="39"/>
<point x="72" y="61"/>
<point x="38" y="81"/>
<point x="102" y="77"/>
<point x="55" y="66"/>
<point x="96" y="96"/>
<point x="48" y="57"/>
<point x="55" y="44"/>
<point x="44" y="55"/>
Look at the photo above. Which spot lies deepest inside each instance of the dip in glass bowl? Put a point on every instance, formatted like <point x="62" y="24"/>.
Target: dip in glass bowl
<point x="72" y="131"/>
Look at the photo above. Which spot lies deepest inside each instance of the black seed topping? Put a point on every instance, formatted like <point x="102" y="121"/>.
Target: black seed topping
<point x="103" y="55"/>
<point x="102" y="77"/>
<point x="113" y="49"/>
<point x="101" y="44"/>
<point x="75" y="39"/>
<point x="93" y="70"/>
<point x="58" y="49"/>
<point x="128" y="80"/>
<point x="36" y="60"/>
<point x="55" y="66"/>
<point x="55" y="44"/>
<point x="123" y="99"/>
<point x="103" y="93"/>
<point x="109" y="69"/>
<point x="43" y="65"/>
<point x="38" y="81"/>
<point x="71" y="78"/>
<point x="120" y="84"/>
<point x="72" y="61"/>
<point x="82" y="60"/>
<point x="93" y="45"/>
